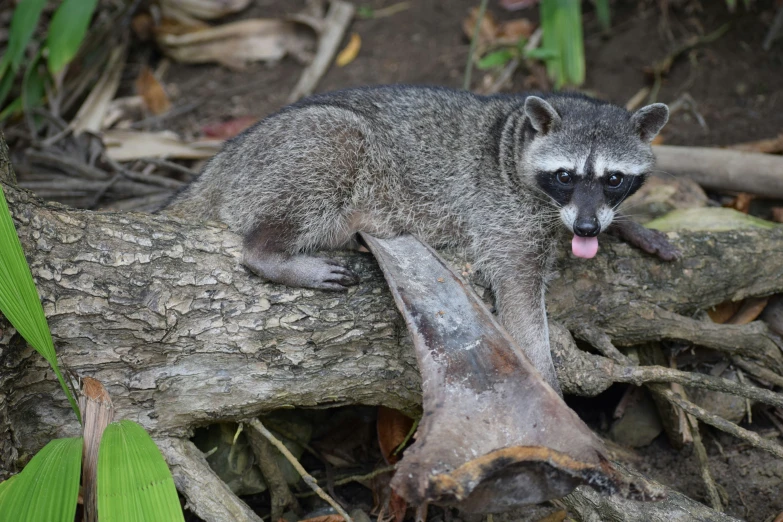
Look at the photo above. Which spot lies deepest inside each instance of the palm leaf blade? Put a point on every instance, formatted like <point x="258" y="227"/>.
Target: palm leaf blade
<point x="134" y="482"/>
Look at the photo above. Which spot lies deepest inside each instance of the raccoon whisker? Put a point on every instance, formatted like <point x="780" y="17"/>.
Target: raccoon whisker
<point x="665" y="173"/>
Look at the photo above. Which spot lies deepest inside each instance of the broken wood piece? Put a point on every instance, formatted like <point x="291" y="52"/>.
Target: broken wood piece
<point x="97" y="412"/>
<point x="493" y="435"/>
<point x="721" y="169"/>
<point x="208" y="496"/>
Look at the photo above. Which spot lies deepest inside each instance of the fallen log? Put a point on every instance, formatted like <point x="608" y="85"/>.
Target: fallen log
<point x="721" y="169"/>
<point x="181" y="335"/>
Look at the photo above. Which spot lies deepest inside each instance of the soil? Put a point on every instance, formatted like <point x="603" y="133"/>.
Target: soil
<point x="733" y="84"/>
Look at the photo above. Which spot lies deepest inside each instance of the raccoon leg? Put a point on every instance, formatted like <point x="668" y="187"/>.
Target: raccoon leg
<point x="522" y="311"/>
<point x="266" y="253"/>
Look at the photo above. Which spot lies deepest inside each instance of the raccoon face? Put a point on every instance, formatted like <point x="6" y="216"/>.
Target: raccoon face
<point x="587" y="156"/>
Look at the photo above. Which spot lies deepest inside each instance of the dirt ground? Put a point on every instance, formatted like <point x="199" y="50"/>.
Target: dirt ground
<point x="734" y="85"/>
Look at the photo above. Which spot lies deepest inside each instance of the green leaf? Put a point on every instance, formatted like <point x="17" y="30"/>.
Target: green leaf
<point x="6" y="83"/>
<point x="365" y="12"/>
<point x="603" y="13"/>
<point x="497" y="58"/>
<point x="48" y="487"/>
<point x="561" y="21"/>
<point x="542" y="54"/>
<point x="134" y="482"/>
<point x="66" y="31"/>
<point x="19" y="301"/>
<point x="23" y="24"/>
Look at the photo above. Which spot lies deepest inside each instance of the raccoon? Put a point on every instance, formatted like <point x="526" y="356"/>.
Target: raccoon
<point x="500" y="176"/>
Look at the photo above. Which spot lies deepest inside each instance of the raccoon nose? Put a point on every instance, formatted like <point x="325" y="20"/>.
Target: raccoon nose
<point x="587" y="227"/>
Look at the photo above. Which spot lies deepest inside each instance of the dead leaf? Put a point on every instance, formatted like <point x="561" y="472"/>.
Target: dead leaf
<point x="723" y="312"/>
<point x="204" y="9"/>
<point x="488" y="31"/>
<point x="325" y="518"/>
<point x="751" y="308"/>
<point x="397" y="507"/>
<point x="348" y="54"/>
<point x="126" y="145"/>
<point x="741" y="202"/>
<point x="93" y="111"/>
<point x="513" y="30"/>
<point x="393" y="426"/>
<point x="236" y="44"/>
<point x="143" y="26"/>
<point x="777" y="214"/>
<point x="228" y="129"/>
<point x="151" y="90"/>
<point x="557" y="516"/>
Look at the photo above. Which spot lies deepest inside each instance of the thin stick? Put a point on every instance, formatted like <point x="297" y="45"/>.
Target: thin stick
<point x="352" y="478"/>
<point x="309" y="480"/>
<point x="176" y="167"/>
<point x="761" y="373"/>
<point x="639" y="375"/>
<point x="473" y="43"/>
<point x="701" y="454"/>
<point x="722" y="424"/>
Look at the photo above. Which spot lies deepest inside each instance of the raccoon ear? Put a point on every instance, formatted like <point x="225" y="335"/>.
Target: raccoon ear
<point x="543" y="117"/>
<point x="648" y="121"/>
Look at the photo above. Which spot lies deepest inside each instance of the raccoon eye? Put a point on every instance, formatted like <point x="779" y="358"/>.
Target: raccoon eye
<point x="564" y="177"/>
<point x="615" y="180"/>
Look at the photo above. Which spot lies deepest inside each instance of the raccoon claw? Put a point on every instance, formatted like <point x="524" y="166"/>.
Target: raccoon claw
<point x="335" y="276"/>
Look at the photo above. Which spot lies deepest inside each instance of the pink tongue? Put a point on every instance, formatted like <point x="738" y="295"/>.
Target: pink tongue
<point x="585" y="247"/>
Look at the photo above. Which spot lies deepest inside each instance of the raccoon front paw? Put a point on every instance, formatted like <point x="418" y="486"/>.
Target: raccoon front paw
<point x="649" y="240"/>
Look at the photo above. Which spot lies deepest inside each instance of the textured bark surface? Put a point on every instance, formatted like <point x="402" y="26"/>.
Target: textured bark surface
<point x="181" y="335"/>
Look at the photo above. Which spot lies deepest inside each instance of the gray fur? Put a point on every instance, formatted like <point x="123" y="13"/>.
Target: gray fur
<point x="453" y="168"/>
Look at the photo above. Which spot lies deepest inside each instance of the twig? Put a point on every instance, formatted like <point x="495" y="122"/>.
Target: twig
<point x="749" y="413"/>
<point x="352" y="478"/>
<point x="761" y="373"/>
<point x="102" y="191"/>
<point x="309" y="480"/>
<point x="774" y="30"/>
<point x="701" y="454"/>
<point x="722" y="424"/>
<point x="67" y="165"/>
<point x="473" y="44"/>
<point x="334" y="25"/>
<point x="662" y="67"/>
<point x="639" y="375"/>
<point x="407" y="437"/>
<point x="281" y="496"/>
<point x="152" y="179"/>
<point x="176" y="167"/>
